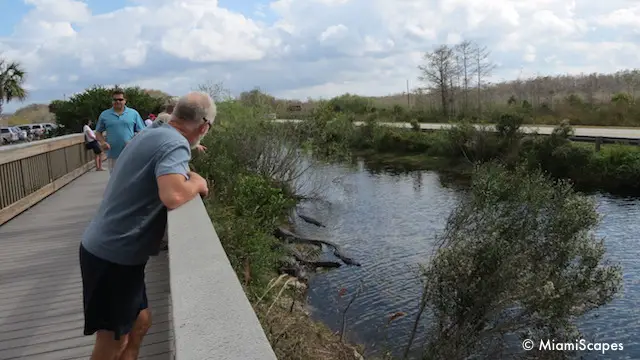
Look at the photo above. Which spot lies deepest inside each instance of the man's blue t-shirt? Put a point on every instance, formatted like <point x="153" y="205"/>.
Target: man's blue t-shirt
<point x="120" y="128"/>
<point x="131" y="219"/>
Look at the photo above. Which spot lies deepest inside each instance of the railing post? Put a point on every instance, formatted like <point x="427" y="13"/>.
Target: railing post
<point x="23" y="178"/>
<point x="4" y="199"/>
<point x="66" y="159"/>
<point x="49" y="170"/>
<point x="598" y="144"/>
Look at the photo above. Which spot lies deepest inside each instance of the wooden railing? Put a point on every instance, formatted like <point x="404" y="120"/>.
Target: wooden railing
<point x="30" y="172"/>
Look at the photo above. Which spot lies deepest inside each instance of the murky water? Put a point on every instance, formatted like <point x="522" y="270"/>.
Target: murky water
<point x="388" y="223"/>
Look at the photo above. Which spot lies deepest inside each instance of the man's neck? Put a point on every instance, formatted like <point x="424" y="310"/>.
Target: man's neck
<point x="178" y="127"/>
<point x="119" y="112"/>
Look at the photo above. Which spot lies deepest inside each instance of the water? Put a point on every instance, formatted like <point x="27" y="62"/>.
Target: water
<point x="388" y="223"/>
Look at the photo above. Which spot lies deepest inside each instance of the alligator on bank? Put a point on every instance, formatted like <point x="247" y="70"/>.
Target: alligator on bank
<point x="311" y="220"/>
<point x="290" y="236"/>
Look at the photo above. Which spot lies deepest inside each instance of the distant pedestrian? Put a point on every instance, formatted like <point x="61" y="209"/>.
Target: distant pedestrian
<point x="149" y="120"/>
<point x="91" y="143"/>
<point x="121" y="123"/>
<point x="151" y="177"/>
<point x="165" y="115"/>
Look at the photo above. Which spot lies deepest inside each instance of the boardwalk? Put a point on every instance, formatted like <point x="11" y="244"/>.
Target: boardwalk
<point x="40" y="285"/>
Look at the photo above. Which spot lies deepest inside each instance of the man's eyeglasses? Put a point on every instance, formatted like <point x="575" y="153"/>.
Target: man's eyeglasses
<point x="118" y="99"/>
<point x="207" y="121"/>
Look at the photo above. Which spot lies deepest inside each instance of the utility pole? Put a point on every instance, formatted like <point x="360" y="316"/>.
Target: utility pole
<point x="408" y="95"/>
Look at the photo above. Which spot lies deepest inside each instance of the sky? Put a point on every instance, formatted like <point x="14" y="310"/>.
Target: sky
<point x="302" y="48"/>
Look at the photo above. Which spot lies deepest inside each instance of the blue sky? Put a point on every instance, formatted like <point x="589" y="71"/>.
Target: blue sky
<point x="301" y="48"/>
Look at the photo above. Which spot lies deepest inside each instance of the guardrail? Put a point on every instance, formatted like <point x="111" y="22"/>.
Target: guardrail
<point x="212" y="317"/>
<point x="29" y="172"/>
<point x="596" y="134"/>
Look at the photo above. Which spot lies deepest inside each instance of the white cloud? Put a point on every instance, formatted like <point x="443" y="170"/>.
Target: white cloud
<point x="625" y="17"/>
<point x="303" y="48"/>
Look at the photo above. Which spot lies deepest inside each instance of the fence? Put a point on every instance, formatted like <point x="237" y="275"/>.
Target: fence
<point x="30" y="172"/>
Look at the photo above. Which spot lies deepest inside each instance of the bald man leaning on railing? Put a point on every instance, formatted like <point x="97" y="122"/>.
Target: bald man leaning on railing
<point x="152" y="176"/>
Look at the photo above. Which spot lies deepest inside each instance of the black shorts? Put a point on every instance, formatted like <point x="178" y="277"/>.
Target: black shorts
<point x="95" y="146"/>
<point x="113" y="294"/>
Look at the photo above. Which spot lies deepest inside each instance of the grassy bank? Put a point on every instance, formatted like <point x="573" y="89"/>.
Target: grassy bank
<point x="614" y="169"/>
<point x="252" y="179"/>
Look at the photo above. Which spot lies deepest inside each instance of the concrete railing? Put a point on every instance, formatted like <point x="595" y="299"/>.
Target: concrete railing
<point x="30" y="172"/>
<point x="212" y="317"/>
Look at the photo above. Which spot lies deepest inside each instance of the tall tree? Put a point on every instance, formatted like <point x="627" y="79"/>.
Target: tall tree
<point x="483" y="68"/>
<point x="12" y="78"/>
<point x="216" y="90"/>
<point x="465" y="54"/>
<point x="438" y="71"/>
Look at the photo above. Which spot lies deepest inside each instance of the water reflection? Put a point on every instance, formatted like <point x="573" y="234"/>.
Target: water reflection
<point x="388" y="222"/>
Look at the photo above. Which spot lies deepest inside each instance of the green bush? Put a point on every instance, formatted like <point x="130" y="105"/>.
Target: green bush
<point x="253" y="165"/>
<point x="348" y="103"/>
<point x="245" y="222"/>
<point x="517" y="257"/>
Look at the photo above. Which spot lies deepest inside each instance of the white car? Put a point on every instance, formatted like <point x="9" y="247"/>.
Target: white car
<point x="9" y="135"/>
<point x="22" y="134"/>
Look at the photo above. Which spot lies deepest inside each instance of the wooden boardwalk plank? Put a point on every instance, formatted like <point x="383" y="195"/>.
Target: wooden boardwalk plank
<point x="40" y="285"/>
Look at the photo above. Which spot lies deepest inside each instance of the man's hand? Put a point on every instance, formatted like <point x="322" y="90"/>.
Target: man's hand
<point x="203" y="187"/>
<point x="106" y="145"/>
<point x="201" y="148"/>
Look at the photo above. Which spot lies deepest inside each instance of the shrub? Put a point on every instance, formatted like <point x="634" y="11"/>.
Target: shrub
<point x="348" y="103"/>
<point x="517" y="257"/>
<point x="253" y="165"/>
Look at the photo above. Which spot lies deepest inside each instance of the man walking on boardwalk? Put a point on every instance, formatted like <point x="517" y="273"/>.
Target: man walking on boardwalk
<point x="152" y="176"/>
<point x="121" y="123"/>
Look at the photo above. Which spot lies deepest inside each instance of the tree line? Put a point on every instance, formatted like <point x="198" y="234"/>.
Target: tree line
<point x="452" y="72"/>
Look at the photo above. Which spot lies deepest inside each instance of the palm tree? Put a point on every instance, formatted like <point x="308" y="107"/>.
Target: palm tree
<point x="12" y="77"/>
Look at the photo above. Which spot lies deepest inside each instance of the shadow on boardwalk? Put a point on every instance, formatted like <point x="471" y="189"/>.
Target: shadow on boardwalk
<point x="40" y="285"/>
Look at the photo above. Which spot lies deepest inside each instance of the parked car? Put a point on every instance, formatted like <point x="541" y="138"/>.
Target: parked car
<point x="37" y="129"/>
<point x="22" y="134"/>
<point x="34" y="131"/>
<point x="9" y="135"/>
<point x="49" y="126"/>
<point x="26" y="128"/>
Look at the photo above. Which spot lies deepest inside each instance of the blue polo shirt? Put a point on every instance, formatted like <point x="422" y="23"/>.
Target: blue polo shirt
<point x="120" y="128"/>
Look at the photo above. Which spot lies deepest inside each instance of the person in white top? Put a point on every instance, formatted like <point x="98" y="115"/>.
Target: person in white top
<point x="149" y="120"/>
<point x="91" y="143"/>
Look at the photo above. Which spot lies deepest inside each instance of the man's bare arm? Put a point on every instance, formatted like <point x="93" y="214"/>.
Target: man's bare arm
<point x="175" y="190"/>
<point x="101" y="138"/>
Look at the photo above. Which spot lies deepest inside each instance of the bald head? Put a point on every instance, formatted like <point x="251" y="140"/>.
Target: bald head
<point x="194" y="108"/>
